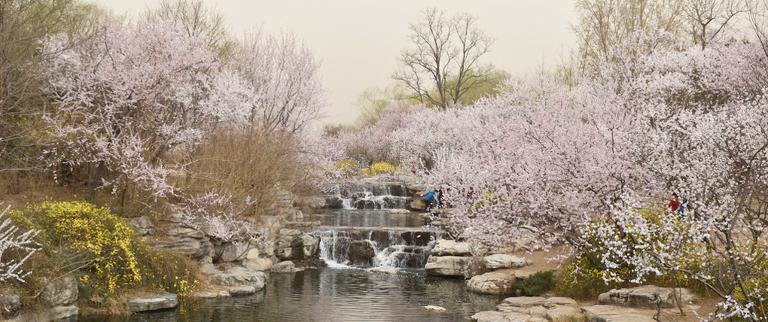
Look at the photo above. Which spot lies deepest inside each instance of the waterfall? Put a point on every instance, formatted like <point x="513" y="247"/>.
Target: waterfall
<point x="373" y="248"/>
<point x="373" y="196"/>
<point x="333" y="248"/>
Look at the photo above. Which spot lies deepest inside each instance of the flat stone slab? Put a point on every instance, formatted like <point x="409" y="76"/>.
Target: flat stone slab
<point x="241" y="290"/>
<point x="497" y="261"/>
<point x="612" y="313"/>
<point x="646" y="296"/>
<point x="496" y="316"/>
<point x="384" y="270"/>
<point x="152" y="302"/>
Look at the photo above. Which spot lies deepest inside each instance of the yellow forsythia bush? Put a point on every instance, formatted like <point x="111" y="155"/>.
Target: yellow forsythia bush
<point x="98" y="242"/>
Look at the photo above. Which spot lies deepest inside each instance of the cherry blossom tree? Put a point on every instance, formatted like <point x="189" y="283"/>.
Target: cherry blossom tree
<point x="17" y="243"/>
<point x="131" y="96"/>
<point x="281" y="77"/>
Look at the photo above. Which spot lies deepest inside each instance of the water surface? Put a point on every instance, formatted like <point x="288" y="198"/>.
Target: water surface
<point x="332" y="294"/>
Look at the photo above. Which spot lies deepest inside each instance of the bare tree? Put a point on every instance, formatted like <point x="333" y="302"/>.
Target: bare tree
<point x="710" y="18"/>
<point x="604" y="23"/>
<point x="196" y="19"/>
<point x="444" y="63"/>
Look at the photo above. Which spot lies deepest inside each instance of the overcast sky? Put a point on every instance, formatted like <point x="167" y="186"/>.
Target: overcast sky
<point x="358" y="41"/>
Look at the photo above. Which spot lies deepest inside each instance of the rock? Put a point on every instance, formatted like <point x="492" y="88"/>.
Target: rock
<point x="252" y="253"/>
<point x="435" y="308"/>
<point x="209" y="294"/>
<point x="361" y="252"/>
<point x="534" y="305"/>
<point x="447" y="265"/>
<point x="63" y="312"/>
<point x="333" y="202"/>
<point x="184" y="232"/>
<point x="241" y="290"/>
<point x="447" y="247"/>
<point x="384" y="270"/>
<point x="142" y="225"/>
<point x="288" y="245"/>
<point x="611" y="313"/>
<point x="562" y="301"/>
<point x="209" y="268"/>
<point x="238" y="276"/>
<point x="496" y="282"/>
<point x="60" y="292"/>
<point x="230" y="252"/>
<point x="645" y="297"/>
<point x="496" y="316"/>
<point x="562" y="313"/>
<point x="312" y="202"/>
<point x="311" y="245"/>
<point x="196" y="248"/>
<point x="284" y="267"/>
<point x="152" y="302"/>
<point x="497" y="261"/>
<point x="258" y="264"/>
<point x="10" y="302"/>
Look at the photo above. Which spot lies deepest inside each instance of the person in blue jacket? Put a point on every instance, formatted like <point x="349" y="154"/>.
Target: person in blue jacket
<point x="430" y="199"/>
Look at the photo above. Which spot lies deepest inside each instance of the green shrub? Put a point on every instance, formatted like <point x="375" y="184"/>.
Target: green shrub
<point x="166" y="271"/>
<point x="581" y="278"/>
<point x="536" y="284"/>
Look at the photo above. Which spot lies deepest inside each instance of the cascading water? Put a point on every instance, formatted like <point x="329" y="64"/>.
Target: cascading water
<point x="365" y="232"/>
<point x="389" y="248"/>
<point x="370" y="196"/>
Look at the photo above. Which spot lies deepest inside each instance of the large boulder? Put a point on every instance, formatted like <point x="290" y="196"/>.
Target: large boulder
<point x="152" y="302"/>
<point x="258" y="264"/>
<point x="447" y="265"/>
<point x="142" y="225"/>
<point x="310" y="244"/>
<point x="497" y="261"/>
<point x="60" y="292"/>
<point x="646" y="296"/>
<point x="289" y="245"/>
<point x="255" y="262"/>
<point x="186" y="241"/>
<point x="238" y="276"/>
<point x="612" y="313"/>
<point x="447" y="247"/>
<point x="284" y="267"/>
<point x="230" y="252"/>
<point x="361" y="252"/>
<point x="497" y="282"/>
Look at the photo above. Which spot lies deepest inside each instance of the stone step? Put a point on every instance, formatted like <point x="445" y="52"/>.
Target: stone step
<point x="152" y="302"/>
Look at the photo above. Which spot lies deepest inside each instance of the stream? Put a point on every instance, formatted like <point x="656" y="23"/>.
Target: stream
<point x="352" y="241"/>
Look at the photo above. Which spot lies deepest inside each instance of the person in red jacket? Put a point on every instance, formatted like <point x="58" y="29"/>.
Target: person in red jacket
<point x="674" y="203"/>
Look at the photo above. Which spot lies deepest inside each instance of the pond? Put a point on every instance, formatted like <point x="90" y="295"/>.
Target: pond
<point x="337" y="294"/>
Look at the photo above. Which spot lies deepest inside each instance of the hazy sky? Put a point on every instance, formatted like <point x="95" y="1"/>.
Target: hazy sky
<point x="358" y="41"/>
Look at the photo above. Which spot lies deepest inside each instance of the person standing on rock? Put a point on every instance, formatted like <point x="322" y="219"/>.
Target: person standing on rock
<point x="429" y="199"/>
